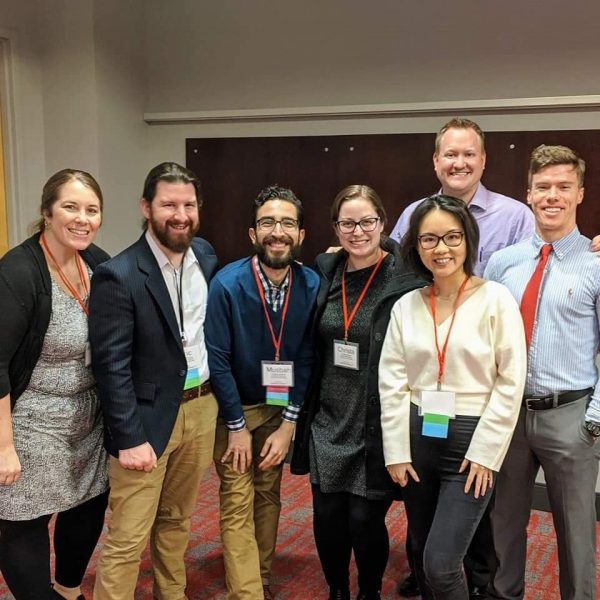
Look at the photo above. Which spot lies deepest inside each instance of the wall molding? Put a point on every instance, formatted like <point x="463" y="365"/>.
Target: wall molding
<point x="546" y="104"/>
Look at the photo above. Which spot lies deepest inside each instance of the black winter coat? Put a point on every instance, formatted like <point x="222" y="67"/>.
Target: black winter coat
<point x="379" y="483"/>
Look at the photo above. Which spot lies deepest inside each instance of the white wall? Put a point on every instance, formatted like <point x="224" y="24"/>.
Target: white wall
<point x="122" y="133"/>
<point x="264" y="53"/>
<point x="203" y="56"/>
<point x="22" y="112"/>
<point x="70" y="116"/>
<point x="78" y="90"/>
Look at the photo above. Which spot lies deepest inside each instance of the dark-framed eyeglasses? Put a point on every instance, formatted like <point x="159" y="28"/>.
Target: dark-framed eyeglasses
<point x="348" y="225"/>
<point x="452" y="239"/>
<point x="268" y="224"/>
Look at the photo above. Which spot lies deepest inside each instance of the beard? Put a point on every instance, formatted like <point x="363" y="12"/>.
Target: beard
<point x="170" y="238"/>
<point x="276" y="262"/>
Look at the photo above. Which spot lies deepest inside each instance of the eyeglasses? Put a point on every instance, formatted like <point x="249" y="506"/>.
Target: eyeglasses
<point x="452" y="239"/>
<point x="349" y="226"/>
<point x="268" y="224"/>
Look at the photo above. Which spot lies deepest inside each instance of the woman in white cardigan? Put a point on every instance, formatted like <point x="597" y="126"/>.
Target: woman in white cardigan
<point x="451" y="380"/>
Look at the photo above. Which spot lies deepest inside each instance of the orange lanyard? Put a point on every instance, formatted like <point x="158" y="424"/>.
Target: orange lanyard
<point x="441" y="354"/>
<point x="348" y="319"/>
<point x="261" y="293"/>
<point x="64" y="278"/>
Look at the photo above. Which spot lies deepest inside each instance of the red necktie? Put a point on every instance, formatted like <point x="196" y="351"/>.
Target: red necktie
<point x="529" y="301"/>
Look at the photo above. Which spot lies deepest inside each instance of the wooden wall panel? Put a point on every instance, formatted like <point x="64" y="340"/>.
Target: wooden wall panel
<point x="398" y="166"/>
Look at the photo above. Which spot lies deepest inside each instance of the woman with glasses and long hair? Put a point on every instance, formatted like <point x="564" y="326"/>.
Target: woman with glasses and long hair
<point x="338" y="436"/>
<point x="451" y="379"/>
<point x="52" y="457"/>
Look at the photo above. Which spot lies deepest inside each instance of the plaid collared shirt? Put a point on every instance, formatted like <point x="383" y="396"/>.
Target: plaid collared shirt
<point x="274" y="294"/>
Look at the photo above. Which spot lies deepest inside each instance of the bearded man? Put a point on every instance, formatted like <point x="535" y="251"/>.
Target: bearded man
<point x="147" y="311"/>
<point x="258" y="335"/>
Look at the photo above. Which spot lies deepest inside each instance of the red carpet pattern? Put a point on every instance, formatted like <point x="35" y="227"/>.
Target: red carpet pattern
<point x="297" y="573"/>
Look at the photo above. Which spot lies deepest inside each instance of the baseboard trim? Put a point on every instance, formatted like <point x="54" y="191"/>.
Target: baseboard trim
<point x="541" y="502"/>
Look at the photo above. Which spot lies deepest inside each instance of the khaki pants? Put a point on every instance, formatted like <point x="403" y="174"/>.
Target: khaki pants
<point x="157" y="504"/>
<point x="250" y="508"/>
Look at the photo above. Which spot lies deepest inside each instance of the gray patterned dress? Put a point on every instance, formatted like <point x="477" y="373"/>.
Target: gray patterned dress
<point x="57" y="425"/>
<point x="338" y="445"/>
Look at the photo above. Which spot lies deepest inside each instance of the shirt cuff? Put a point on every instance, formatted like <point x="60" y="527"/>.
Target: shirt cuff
<point x="291" y="413"/>
<point x="593" y="411"/>
<point x="236" y="425"/>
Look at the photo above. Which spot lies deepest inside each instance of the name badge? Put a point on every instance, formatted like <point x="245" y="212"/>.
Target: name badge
<point x="438" y="403"/>
<point x="345" y="354"/>
<point x="192" y="357"/>
<point x="437" y="408"/>
<point x="87" y="355"/>
<point x="277" y="373"/>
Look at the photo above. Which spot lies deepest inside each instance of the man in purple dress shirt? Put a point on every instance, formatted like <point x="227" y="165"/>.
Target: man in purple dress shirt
<point x="459" y="161"/>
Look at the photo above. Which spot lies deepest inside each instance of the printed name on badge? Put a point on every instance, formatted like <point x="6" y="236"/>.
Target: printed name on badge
<point x="277" y="373"/>
<point x="345" y="354"/>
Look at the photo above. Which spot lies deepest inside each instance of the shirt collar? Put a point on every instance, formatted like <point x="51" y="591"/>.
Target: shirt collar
<point x="560" y="247"/>
<point x="480" y="199"/>
<point x="161" y="257"/>
<point x="266" y="282"/>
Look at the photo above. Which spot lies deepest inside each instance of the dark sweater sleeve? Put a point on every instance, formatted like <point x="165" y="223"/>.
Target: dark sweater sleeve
<point x="304" y="360"/>
<point x="16" y="308"/>
<point x="219" y="341"/>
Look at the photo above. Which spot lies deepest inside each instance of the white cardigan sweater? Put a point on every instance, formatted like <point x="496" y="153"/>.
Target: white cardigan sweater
<point x="486" y="366"/>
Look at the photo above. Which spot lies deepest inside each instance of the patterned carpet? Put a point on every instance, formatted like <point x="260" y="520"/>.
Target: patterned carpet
<point x="297" y="573"/>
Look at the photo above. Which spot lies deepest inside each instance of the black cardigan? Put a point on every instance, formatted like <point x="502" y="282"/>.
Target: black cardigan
<point x="379" y="483"/>
<point x="25" y="308"/>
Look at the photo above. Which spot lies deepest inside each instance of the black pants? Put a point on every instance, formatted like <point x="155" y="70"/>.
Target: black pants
<point x="344" y="522"/>
<point x="25" y="549"/>
<point x="442" y="519"/>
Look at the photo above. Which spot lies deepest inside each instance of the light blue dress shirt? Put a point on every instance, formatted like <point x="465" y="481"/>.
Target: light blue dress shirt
<point x="566" y="335"/>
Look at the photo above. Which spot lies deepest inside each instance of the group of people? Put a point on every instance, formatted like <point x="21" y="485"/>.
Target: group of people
<point x="442" y="365"/>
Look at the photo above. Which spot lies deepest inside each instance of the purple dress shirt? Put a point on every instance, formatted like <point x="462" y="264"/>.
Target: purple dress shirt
<point x="502" y="221"/>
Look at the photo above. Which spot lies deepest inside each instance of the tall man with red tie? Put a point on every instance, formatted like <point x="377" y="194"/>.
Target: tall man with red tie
<point x="556" y="280"/>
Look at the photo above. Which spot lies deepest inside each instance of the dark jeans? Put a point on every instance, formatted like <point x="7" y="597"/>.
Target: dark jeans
<point x="479" y="560"/>
<point x="344" y="522"/>
<point x="442" y="519"/>
<point x="25" y="549"/>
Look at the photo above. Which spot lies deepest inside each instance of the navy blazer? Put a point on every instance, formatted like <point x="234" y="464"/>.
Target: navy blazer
<point x="137" y="355"/>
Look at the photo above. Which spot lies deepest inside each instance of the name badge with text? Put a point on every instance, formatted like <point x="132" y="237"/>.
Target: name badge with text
<point x="345" y="354"/>
<point x="278" y="373"/>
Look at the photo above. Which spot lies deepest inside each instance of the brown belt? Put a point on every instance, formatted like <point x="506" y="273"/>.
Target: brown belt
<point x="196" y="392"/>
